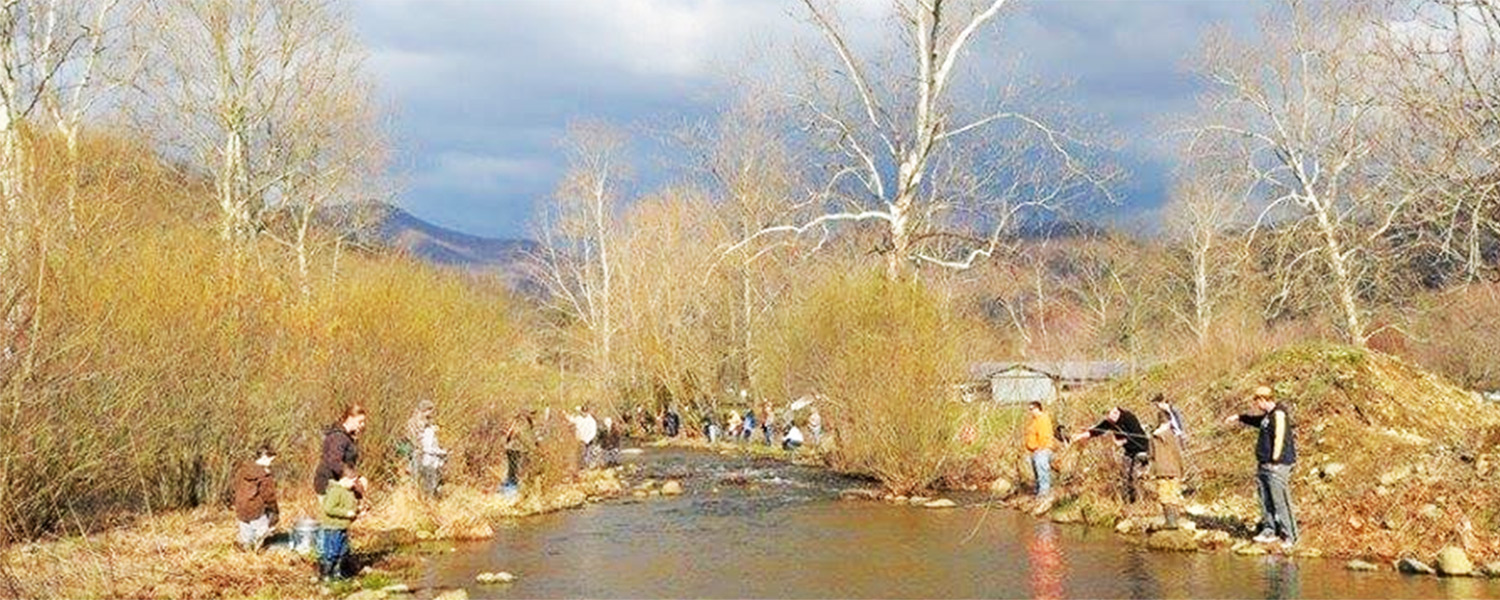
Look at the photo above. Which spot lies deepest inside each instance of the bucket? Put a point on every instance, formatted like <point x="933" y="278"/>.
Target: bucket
<point x="305" y="535"/>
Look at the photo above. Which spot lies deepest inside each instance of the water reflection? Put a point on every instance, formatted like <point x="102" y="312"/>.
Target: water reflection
<point x="1048" y="569"/>
<point x="1137" y="575"/>
<point x="1282" y="580"/>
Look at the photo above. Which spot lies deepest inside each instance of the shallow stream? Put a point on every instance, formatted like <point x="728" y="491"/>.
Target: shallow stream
<point x="748" y="528"/>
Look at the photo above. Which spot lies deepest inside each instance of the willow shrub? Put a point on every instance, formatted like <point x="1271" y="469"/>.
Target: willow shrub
<point x="884" y="355"/>
<point x="153" y="379"/>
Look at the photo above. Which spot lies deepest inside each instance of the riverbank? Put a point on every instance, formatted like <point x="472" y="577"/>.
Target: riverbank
<point x="1394" y="462"/>
<point x="190" y="554"/>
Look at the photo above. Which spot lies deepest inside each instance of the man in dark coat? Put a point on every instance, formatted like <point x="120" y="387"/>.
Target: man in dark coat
<point x="1132" y="439"/>
<point x="1275" y="453"/>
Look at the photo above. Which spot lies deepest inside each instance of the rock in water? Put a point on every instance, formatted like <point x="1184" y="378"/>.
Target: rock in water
<point x="1001" y="487"/>
<point x="1249" y="549"/>
<point x="1412" y="566"/>
<point x="859" y="494"/>
<point x="1175" y="540"/>
<point x="940" y="503"/>
<point x="1124" y="526"/>
<point x="1359" y="565"/>
<point x="1452" y="562"/>
<point x="1491" y="569"/>
<point x="671" y="488"/>
<point x="452" y="595"/>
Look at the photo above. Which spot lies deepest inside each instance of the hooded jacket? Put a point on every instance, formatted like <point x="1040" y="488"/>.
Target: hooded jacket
<point x="254" y="492"/>
<point x="339" y="454"/>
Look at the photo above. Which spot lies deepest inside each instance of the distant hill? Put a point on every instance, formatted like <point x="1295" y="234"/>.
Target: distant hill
<point x="395" y="229"/>
<point x="443" y="246"/>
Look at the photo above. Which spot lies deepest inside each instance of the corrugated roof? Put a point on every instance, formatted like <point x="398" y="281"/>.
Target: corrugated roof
<point x="1099" y="370"/>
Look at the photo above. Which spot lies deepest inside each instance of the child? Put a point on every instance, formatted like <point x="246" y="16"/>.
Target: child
<point x="255" y="499"/>
<point x="340" y="508"/>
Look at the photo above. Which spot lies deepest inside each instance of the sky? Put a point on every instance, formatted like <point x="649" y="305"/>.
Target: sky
<point x="481" y="91"/>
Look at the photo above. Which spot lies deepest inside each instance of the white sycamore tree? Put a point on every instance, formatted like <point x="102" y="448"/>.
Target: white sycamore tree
<point x="945" y="180"/>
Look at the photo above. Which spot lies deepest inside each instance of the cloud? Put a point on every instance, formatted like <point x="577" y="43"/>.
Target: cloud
<point x="484" y="88"/>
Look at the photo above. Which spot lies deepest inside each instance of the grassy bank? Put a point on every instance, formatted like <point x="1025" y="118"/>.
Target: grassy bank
<point x="190" y="554"/>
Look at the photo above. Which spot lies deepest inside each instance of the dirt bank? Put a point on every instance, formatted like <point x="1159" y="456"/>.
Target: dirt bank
<point x="1394" y="461"/>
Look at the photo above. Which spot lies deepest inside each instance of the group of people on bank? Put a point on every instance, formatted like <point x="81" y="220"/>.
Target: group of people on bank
<point x="341" y="490"/>
<point x="1160" y="456"/>
<point x="771" y="428"/>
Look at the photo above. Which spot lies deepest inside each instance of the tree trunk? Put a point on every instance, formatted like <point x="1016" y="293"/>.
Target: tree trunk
<point x="898" y="260"/>
<point x="1343" y="278"/>
<point x="1202" y="311"/>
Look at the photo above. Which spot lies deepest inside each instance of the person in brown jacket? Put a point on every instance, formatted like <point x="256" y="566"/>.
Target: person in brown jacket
<point x="255" y="499"/>
<point x="1166" y="460"/>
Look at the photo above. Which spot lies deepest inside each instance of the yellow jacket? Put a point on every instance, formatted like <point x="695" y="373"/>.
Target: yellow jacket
<point x="1039" y="433"/>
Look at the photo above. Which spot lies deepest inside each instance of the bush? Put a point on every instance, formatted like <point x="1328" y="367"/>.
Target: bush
<point x="154" y="365"/>
<point x="883" y="353"/>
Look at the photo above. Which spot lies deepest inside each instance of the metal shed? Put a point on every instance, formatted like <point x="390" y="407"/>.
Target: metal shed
<point x="1017" y="382"/>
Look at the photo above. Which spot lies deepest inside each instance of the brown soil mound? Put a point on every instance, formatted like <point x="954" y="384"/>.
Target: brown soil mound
<point x="1393" y="459"/>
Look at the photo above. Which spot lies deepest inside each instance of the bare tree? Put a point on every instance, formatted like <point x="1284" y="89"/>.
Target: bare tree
<point x="1440" y="69"/>
<point x="752" y="168"/>
<point x="1299" y="102"/>
<point x="905" y="154"/>
<point x="580" y="237"/>
<point x="270" y="98"/>
<point x="1206" y="208"/>
<point x="96" y="61"/>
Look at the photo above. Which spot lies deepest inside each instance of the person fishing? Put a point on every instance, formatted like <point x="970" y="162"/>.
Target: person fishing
<point x="1133" y="442"/>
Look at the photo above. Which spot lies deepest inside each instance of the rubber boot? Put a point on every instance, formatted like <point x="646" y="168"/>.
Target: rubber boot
<point x="1171" y="517"/>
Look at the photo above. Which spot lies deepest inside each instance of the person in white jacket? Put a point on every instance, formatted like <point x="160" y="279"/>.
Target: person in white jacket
<point x="586" y="428"/>
<point x="430" y="469"/>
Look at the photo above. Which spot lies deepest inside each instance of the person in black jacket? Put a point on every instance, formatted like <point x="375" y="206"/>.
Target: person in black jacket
<point x="341" y="451"/>
<point x="1131" y="439"/>
<point x="1275" y="453"/>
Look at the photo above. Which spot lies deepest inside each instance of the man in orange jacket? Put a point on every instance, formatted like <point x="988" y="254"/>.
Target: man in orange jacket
<point x="1039" y="444"/>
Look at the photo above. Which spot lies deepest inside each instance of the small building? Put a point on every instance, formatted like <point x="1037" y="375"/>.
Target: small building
<point x="1017" y="382"/>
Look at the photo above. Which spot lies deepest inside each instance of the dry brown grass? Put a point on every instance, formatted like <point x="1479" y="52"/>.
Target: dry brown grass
<point x="176" y="555"/>
<point x="190" y="554"/>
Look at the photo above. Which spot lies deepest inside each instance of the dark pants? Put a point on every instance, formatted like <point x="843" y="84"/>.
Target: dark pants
<point x="334" y="544"/>
<point x="431" y="479"/>
<point x="515" y="460"/>
<point x="1274" y="482"/>
<point x="1131" y="466"/>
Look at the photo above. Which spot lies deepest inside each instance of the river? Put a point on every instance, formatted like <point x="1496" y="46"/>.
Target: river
<point x="750" y="528"/>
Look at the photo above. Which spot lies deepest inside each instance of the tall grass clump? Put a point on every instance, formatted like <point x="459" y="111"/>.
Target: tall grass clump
<point x="884" y="355"/>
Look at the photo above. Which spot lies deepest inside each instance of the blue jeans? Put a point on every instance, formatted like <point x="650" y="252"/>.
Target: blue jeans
<point x="1041" y="466"/>
<point x="333" y="545"/>
<point x="1276" y="501"/>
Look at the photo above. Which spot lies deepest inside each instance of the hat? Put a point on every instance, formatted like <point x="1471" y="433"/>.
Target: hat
<point x="1263" y="392"/>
